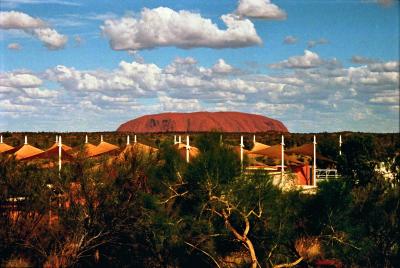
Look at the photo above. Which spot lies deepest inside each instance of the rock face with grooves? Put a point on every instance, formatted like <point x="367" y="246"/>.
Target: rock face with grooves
<point x="202" y="122"/>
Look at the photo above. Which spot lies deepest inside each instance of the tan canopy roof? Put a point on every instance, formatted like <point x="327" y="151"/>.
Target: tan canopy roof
<point x="307" y="150"/>
<point x="259" y="146"/>
<point x="102" y="148"/>
<point x="180" y="145"/>
<point x="88" y="149"/>
<point x="139" y="147"/>
<point x="275" y="152"/>
<point x="52" y="153"/>
<point x="24" y="151"/>
<point x="65" y="147"/>
<point x="132" y="149"/>
<point x="5" y="147"/>
<point x="249" y="154"/>
<point x="193" y="152"/>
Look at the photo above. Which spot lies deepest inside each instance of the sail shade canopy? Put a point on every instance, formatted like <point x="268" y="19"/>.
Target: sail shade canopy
<point x="5" y="147"/>
<point x="307" y="150"/>
<point x="52" y="153"/>
<point x="25" y="151"/>
<point x="259" y="146"/>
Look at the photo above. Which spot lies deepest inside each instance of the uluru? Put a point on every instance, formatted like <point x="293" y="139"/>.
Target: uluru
<point x="233" y="122"/>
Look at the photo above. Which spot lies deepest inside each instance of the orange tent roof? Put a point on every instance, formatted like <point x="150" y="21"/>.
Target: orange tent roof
<point x="249" y="154"/>
<point x="139" y="147"/>
<point x="307" y="150"/>
<point x="87" y="149"/>
<point x="52" y="152"/>
<point x="144" y="148"/>
<point x="5" y="147"/>
<point x="193" y="152"/>
<point x="275" y="152"/>
<point x="102" y="148"/>
<point x="236" y="149"/>
<point x="259" y="146"/>
<point x="179" y="145"/>
<point x="24" y="151"/>
<point x="65" y="147"/>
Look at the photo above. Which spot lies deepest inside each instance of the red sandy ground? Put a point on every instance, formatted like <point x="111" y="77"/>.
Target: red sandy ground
<point x="203" y="122"/>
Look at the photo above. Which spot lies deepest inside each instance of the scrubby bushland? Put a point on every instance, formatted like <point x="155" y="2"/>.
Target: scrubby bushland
<point x="157" y="211"/>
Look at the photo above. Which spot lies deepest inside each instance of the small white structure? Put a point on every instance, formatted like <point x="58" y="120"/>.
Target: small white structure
<point x="59" y="153"/>
<point x="315" y="162"/>
<point x="241" y="149"/>
<point x="283" y="156"/>
<point x="128" y="140"/>
<point x="340" y="144"/>
<point x="187" y="149"/>
<point x="134" y="139"/>
<point x="86" y="139"/>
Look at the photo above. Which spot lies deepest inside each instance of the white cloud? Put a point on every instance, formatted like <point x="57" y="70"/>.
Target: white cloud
<point x="87" y="104"/>
<point x="161" y="27"/>
<point x="15" y="3"/>
<point x="260" y="9"/>
<point x="8" y="106"/>
<point x="313" y="43"/>
<point x="174" y="104"/>
<point x="13" y="20"/>
<point x="289" y="40"/>
<point x="14" y="46"/>
<point x="362" y="60"/>
<point x="390" y="66"/>
<point x="308" y="60"/>
<point x="276" y="109"/>
<point x="222" y="67"/>
<point x="51" y="38"/>
<point x="325" y="93"/>
<point x="78" y="40"/>
<point x="387" y="97"/>
<point x="19" y="20"/>
<point x="37" y="93"/>
<point x="20" y="80"/>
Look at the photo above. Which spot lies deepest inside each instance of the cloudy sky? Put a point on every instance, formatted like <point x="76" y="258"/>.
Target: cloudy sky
<point x="69" y="65"/>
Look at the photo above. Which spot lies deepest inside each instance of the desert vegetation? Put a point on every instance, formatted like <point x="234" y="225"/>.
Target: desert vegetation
<point x="155" y="210"/>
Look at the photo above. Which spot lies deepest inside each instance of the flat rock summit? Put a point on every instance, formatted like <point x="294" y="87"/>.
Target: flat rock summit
<point x="202" y="122"/>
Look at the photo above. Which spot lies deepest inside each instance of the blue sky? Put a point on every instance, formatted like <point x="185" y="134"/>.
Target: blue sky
<point x="91" y="65"/>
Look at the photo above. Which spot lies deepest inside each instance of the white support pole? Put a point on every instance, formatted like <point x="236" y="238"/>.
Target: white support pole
<point x="254" y="139"/>
<point x="86" y="139"/>
<point x="1" y="139"/>
<point x="315" y="162"/>
<point x="282" y="156"/>
<point x="128" y="140"/>
<point x="26" y="140"/>
<point x="56" y="138"/>
<point x="59" y="153"/>
<point x="101" y="138"/>
<point x="175" y="142"/>
<point x="241" y="149"/>
<point x="180" y="139"/>
<point x="187" y="149"/>
<point x="134" y="139"/>
<point x="340" y="144"/>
